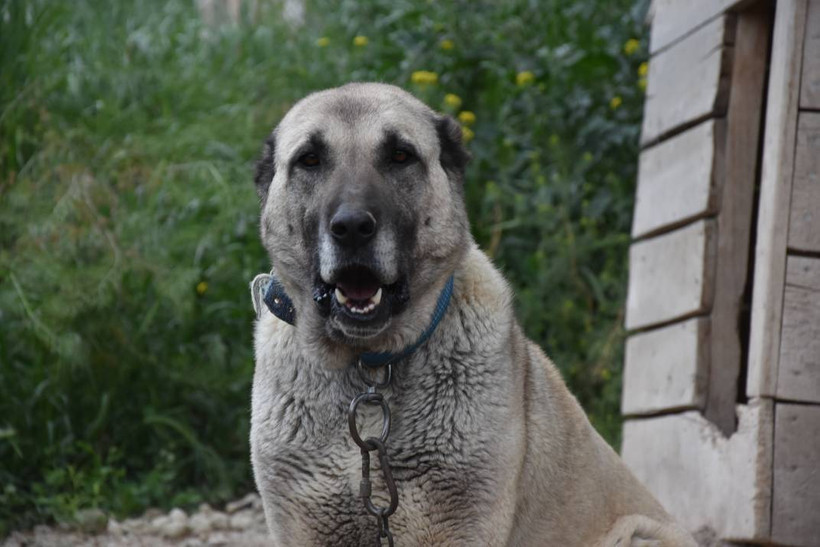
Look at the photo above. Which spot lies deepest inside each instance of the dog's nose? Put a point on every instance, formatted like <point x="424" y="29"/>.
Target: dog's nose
<point x="352" y="228"/>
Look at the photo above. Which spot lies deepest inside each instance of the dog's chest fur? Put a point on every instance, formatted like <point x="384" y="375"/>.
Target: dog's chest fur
<point x="450" y="438"/>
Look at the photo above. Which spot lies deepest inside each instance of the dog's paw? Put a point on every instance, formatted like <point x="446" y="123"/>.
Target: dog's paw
<point x="641" y="531"/>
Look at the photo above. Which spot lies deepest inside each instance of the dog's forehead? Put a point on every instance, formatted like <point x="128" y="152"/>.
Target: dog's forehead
<point x="358" y="116"/>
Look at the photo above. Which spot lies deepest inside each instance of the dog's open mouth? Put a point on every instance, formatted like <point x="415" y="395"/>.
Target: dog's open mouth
<point x="358" y="292"/>
<point x="358" y="302"/>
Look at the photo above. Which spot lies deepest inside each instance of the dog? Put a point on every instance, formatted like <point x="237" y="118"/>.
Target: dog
<point x="363" y="216"/>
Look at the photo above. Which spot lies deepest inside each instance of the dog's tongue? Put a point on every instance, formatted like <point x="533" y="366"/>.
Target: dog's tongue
<point x="358" y="291"/>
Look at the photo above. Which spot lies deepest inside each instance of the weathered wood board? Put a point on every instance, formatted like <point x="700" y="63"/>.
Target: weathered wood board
<point x="689" y="82"/>
<point x="758" y="483"/>
<point x="810" y="82"/>
<point x="775" y="197"/>
<point x="734" y="222"/>
<point x="804" y="217"/>
<point x="796" y="488"/>
<point x="678" y="178"/>
<point x="667" y="368"/>
<point x="703" y="478"/>
<point x="671" y="276"/>
<point x="674" y="19"/>
<point x="799" y="372"/>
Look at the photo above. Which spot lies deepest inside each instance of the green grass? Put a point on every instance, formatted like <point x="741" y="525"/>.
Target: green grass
<point x="128" y="217"/>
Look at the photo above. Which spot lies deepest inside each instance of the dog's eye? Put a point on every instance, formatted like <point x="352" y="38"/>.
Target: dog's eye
<point x="400" y="156"/>
<point x="309" y="160"/>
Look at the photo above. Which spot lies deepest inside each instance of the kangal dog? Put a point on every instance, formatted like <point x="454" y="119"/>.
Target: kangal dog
<point x="363" y="217"/>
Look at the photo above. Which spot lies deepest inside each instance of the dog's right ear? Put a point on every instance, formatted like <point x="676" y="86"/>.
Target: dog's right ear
<point x="265" y="167"/>
<point x="454" y="156"/>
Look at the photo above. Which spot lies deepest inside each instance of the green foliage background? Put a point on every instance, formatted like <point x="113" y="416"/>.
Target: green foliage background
<point x="128" y="218"/>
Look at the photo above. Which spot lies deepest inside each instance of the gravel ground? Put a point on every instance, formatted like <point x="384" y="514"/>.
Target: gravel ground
<point x="241" y="523"/>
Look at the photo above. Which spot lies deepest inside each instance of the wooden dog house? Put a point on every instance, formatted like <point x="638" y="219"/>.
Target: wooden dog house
<point x="722" y="375"/>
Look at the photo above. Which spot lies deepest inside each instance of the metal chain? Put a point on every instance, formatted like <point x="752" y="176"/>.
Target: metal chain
<point x="377" y="444"/>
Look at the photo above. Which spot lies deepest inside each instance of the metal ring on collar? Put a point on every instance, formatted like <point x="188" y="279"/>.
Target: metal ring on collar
<point x="372" y="399"/>
<point x="367" y="379"/>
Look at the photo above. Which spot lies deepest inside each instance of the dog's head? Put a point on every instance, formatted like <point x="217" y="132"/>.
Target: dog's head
<point x="363" y="212"/>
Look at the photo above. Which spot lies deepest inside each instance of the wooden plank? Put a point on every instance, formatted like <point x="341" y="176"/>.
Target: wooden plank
<point x="667" y="368"/>
<point x="804" y="217"/>
<point x="703" y="478"/>
<point x="674" y="19"/>
<point x="810" y="82"/>
<point x="678" y="179"/>
<point x="775" y="197"/>
<point x="734" y="222"/>
<point x="803" y="272"/>
<point x="690" y="81"/>
<point x="671" y="276"/>
<point x="796" y="495"/>
<point x="798" y="377"/>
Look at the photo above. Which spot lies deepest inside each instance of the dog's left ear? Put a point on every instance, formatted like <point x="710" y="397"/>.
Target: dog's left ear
<point x="265" y="167"/>
<point x="454" y="156"/>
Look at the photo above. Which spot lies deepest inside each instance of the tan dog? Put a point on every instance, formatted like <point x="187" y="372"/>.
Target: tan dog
<point x="364" y="220"/>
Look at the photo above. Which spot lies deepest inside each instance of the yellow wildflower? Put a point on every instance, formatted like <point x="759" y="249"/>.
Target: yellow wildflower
<point x="466" y="117"/>
<point x="201" y="287"/>
<point x="524" y="78"/>
<point x="324" y="41"/>
<point x="642" y="84"/>
<point x="452" y="100"/>
<point x="467" y="134"/>
<point x="424" y="77"/>
<point x="643" y="69"/>
<point x="447" y="45"/>
<point x="615" y="102"/>
<point x="631" y="46"/>
<point x="360" y="41"/>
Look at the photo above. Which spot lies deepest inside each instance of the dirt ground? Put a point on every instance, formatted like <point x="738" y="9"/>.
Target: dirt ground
<point x="240" y="523"/>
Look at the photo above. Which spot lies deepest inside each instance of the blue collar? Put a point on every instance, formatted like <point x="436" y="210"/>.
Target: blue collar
<point x="269" y="290"/>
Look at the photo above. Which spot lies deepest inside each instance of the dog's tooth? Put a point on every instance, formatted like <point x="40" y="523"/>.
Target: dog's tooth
<point x="340" y="296"/>
<point x="377" y="298"/>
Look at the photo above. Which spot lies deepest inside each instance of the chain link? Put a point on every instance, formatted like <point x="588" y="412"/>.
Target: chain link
<point x="378" y="445"/>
